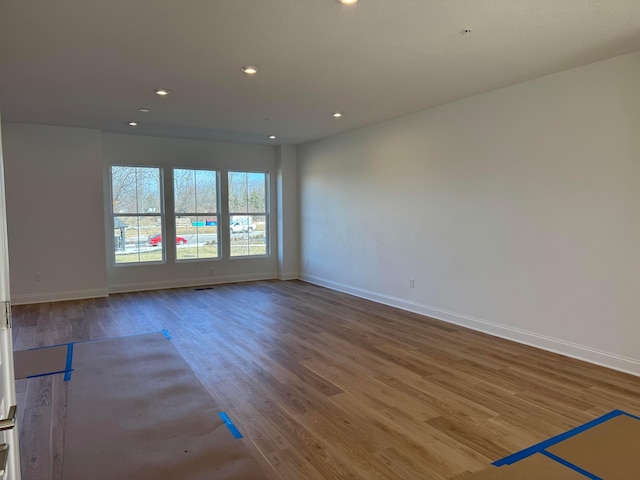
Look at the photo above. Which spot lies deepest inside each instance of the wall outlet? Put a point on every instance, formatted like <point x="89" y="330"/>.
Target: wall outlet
<point x="411" y="283"/>
<point x="211" y="271"/>
<point x="36" y="277"/>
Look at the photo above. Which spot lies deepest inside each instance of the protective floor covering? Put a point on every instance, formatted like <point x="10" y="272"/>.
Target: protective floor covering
<point x="535" y="467"/>
<point x="136" y="411"/>
<point x="610" y="450"/>
<point x="603" y="449"/>
<point x="40" y="361"/>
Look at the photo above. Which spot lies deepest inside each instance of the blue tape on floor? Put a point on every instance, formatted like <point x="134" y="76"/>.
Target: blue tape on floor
<point x="164" y="332"/>
<point x="47" y="374"/>
<point x="557" y="439"/>
<point x="50" y="346"/>
<point x="629" y="415"/>
<point x="570" y="465"/>
<point x="69" y="364"/>
<point x="232" y="428"/>
<point x="68" y="369"/>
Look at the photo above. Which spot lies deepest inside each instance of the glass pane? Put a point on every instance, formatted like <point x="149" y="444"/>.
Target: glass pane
<point x="184" y="188"/>
<point x="248" y="235"/>
<point x="196" y="237"/>
<point x="123" y="189"/>
<point x="238" y="192"/>
<point x="257" y="198"/>
<point x="135" y="190"/>
<point x="207" y="197"/>
<point x="148" y="185"/>
<point x="135" y="239"/>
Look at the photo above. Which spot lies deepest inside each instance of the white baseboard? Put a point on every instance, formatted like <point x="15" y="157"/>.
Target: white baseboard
<point x="28" y="298"/>
<point x="192" y="282"/>
<point x="556" y="345"/>
<point x="287" y="275"/>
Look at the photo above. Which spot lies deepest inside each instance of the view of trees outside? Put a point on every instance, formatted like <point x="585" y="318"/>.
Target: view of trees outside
<point x="196" y="207"/>
<point x="137" y="208"/>
<point x="248" y="195"/>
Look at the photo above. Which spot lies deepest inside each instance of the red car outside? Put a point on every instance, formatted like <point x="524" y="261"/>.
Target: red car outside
<point x="157" y="239"/>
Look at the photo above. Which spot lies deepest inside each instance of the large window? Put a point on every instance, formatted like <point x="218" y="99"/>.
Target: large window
<point x="136" y="195"/>
<point x="196" y="208"/>
<point x="139" y="208"/>
<point x="248" y="215"/>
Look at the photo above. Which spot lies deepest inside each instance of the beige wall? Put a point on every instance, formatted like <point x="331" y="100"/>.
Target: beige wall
<point x="515" y="212"/>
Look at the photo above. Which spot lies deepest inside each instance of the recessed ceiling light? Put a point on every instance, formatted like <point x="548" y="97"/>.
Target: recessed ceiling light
<point x="272" y="137"/>
<point x="250" y="70"/>
<point x="337" y="115"/>
<point x="144" y="110"/>
<point x="133" y="124"/>
<point x="466" y="31"/>
<point x="161" y="91"/>
<point x="348" y="2"/>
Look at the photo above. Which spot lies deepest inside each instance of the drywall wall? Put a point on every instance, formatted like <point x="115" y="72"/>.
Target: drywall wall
<point x="287" y="181"/>
<point x="514" y="212"/>
<point x="53" y="178"/>
<point x="169" y="153"/>
<point x="58" y="210"/>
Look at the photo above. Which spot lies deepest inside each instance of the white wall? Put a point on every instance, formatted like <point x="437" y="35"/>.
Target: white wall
<point x="53" y="179"/>
<point x="58" y="209"/>
<point x="169" y="153"/>
<point x="287" y="181"/>
<point x="515" y="211"/>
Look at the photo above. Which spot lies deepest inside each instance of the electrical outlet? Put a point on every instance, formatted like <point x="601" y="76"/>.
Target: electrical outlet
<point x="36" y="277"/>
<point x="211" y="271"/>
<point x="411" y="283"/>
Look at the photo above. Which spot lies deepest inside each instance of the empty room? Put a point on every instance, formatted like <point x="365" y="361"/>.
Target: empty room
<point x="319" y="239"/>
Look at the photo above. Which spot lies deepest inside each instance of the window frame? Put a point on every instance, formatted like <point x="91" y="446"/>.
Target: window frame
<point x="160" y="214"/>
<point x="217" y="214"/>
<point x="266" y="214"/>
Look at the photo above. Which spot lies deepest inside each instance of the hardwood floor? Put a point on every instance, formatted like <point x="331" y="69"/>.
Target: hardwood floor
<point x="327" y="386"/>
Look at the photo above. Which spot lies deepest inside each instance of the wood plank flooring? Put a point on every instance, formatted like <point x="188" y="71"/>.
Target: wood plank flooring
<point x="327" y="386"/>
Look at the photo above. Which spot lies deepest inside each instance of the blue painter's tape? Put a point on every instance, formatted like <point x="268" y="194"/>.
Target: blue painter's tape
<point x="232" y="428"/>
<point x="166" y="334"/>
<point x="570" y="465"/>
<point x="557" y="439"/>
<point x="629" y="415"/>
<point x="68" y="369"/>
<point x="46" y="374"/>
<point x="50" y="346"/>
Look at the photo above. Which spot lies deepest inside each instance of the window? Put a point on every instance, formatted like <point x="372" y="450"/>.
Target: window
<point x="249" y="219"/>
<point x="196" y="208"/>
<point x="136" y="196"/>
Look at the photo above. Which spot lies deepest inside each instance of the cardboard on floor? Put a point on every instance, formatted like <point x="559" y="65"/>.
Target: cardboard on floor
<point x="610" y="450"/>
<point x="605" y="448"/>
<point x="40" y="361"/>
<point x="535" y="467"/>
<point x="136" y="411"/>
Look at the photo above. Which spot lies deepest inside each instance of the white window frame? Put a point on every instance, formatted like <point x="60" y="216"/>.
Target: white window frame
<point x="160" y="215"/>
<point x="217" y="214"/>
<point x="265" y="214"/>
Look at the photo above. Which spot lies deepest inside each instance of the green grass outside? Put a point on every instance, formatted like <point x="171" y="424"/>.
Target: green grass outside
<point x="194" y="253"/>
<point x="150" y="256"/>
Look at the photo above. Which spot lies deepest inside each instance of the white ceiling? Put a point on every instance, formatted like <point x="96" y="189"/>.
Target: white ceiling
<point x="93" y="63"/>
